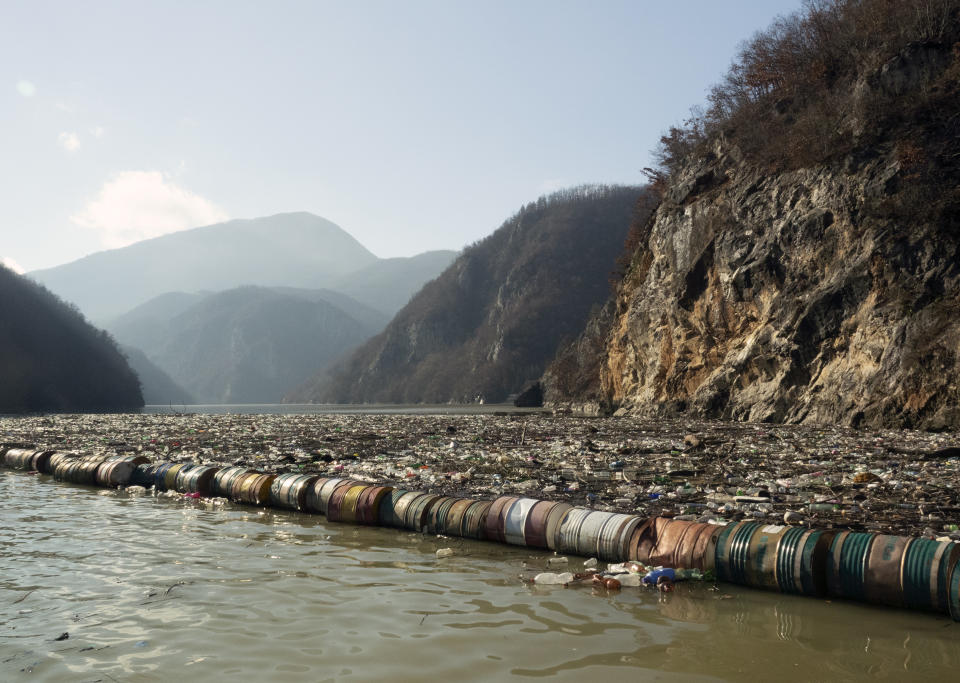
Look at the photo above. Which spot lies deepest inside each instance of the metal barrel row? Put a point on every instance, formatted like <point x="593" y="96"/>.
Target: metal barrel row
<point x="899" y="571"/>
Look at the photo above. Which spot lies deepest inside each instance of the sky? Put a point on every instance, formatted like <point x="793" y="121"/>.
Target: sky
<point x="413" y="124"/>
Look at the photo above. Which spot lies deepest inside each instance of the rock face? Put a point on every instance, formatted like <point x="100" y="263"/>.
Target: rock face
<point x="794" y="297"/>
<point x="495" y="317"/>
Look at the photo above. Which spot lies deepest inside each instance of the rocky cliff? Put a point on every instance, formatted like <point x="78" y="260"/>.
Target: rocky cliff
<point x="826" y="293"/>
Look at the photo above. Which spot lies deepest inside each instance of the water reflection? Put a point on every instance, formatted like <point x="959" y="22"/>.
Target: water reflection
<point x="152" y="589"/>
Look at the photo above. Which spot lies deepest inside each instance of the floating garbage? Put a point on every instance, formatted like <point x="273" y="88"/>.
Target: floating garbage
<point x="870" y="516"/>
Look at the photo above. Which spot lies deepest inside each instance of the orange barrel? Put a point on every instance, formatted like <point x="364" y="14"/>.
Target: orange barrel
<point x="118" y="471"/>
<point x="438" y="514"/>
<point x="198" y="479"/>
<point x="170" y="476"/>
<point x="515" y="520"/>
<point x="614" y="543"/>
<point x="385" y="513"/>
<point x="253" y="489"/>
<point x="668" y="543"/>
<point x="290" y="490"/>
<point x="223" y="480"/>
<point x="568" y="535"/>
<point x="343" y="502"/>
<point x="453" y="522"/>
<point x="926" y="572"/>
<point x="18" y="458"/>
<point x="496" y="518"/>
<point x="368" y="506"/>
<point x="417" y="513"/>
<point x="402" y="505"/>
<point x="474" y="524"/>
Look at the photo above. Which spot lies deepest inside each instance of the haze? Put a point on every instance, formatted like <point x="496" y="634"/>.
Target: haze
<point x="414" y="126"/>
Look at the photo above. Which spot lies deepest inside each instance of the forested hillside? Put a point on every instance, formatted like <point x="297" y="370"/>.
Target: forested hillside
<point x="52" y="360"/>
<point x="495" y="317"/>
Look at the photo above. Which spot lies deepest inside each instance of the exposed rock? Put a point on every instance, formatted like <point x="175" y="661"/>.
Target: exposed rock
<point x="530" y="397"/>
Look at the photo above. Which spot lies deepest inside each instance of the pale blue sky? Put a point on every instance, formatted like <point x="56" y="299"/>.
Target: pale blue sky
<point x="414" y="125"/>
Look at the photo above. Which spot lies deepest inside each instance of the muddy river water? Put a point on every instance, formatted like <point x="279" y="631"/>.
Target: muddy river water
<point x="161" y="589"/>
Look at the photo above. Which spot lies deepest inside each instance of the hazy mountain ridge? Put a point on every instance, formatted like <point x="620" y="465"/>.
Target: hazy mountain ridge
<point x="494" y="318"/>
<point x="51" y="359"/>
<point x="249" y="344"/>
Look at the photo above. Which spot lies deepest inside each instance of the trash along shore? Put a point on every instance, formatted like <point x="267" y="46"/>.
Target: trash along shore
<point x="866" y="515"/>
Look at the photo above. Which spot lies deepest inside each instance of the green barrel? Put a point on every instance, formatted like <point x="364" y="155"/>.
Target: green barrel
<point x="385" y="513"/>
<point x="474" y="524"/>
<point x="733" y="551"/>
<point x="847" y="564"/>
<point x="926" y="573"/>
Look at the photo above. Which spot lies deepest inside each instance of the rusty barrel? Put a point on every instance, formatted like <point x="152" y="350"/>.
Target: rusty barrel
<point x="535" y="528"/>
<point x="198" y="479"/>
<point x="515" y="520"/>
<point x="613" y="544"/>
<point x="417" y="513"/>
<point x="474" y="524"/>
<point x="402" y="505"/>
<point x="453" y="521"/>
<point x="437" y="520"/>
<point x="783" y="558"/>
<point x="160" y="475"/>
<point x="253" y="489"/>
<point x="318" y="495"/>
<point x="368" y="505"/>
<point x="889" y="570"/>
<point x="497" y="518"/>
<point x="40" y="459"/>
<point x="19" y="458"/>
<point x="290" y="490"/>
<point x="58" y="457"/>
<point x="170" y="476"/>
<point x="119" y="471"/>
<point x="568" y="535"/>
<point x="343" y="502"/>
<point x="663" y="542"/>
<point x="926" y="572"/>
<point x="224" y="480"/>
<point x="385" y="513"/>
<point x="82" y="470"/>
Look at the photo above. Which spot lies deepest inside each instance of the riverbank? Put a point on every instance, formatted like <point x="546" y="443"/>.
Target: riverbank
<point x="894" y="482"/>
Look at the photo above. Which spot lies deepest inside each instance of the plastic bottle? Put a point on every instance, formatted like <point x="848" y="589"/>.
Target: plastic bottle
<point x="654" y="574"/>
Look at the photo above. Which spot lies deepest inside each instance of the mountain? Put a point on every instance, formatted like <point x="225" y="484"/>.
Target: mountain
<point x="291" y="249"/>
<point x="388" y="284"/>
<point x="804" y="264"/>
<point x="248" y="344"/>
<point x="52" y="360"/>
<point x="158" y="387"/>
<point x="494" y="318"/>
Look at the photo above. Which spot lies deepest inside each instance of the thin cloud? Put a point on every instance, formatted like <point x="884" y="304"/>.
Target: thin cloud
<point x="12" y="265"/>
<point x="26" y="88"/>
<point x="69" y="141"/>
<point x="137" y="205"/>
<point x="97" y="131"/>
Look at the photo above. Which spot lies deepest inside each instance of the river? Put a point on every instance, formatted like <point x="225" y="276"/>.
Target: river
<point x="155" y="589"/>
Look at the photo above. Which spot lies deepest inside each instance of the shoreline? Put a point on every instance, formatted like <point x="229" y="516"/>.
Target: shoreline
<point x="887" y="481"/>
